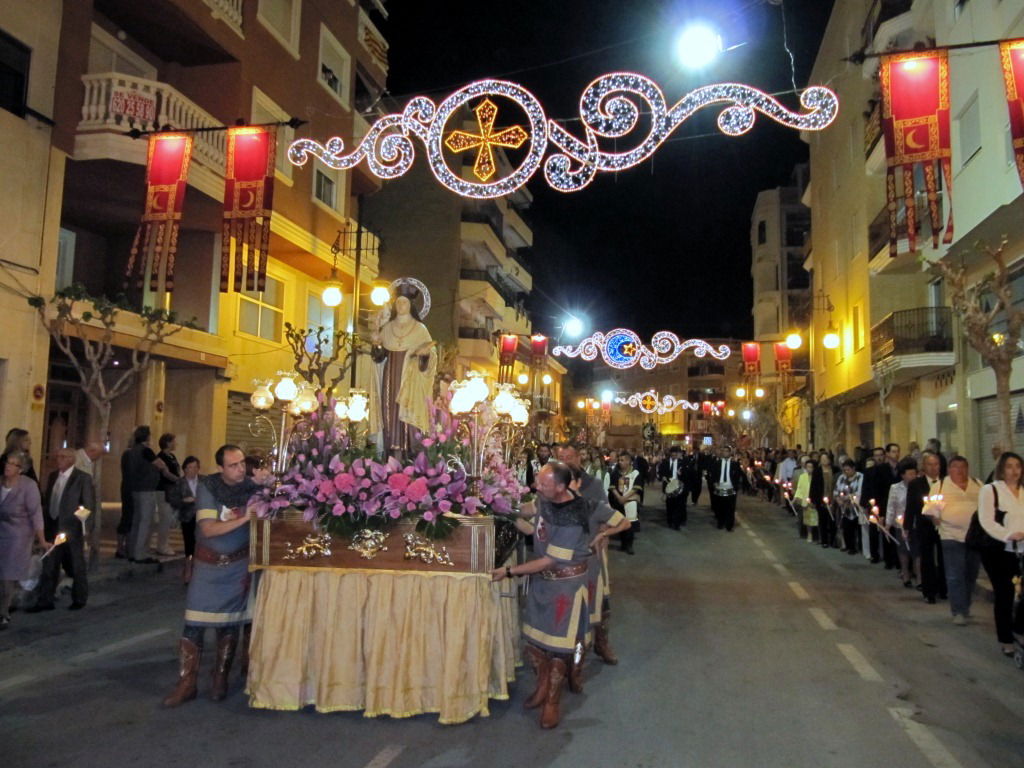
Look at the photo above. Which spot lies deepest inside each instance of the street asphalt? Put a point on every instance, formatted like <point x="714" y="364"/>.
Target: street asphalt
<point x="750" y="648"/>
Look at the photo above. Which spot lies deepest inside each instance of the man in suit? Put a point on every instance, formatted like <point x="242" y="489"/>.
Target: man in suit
<point x="693" y="466"/>
<point x="877" y="481"/>
<point x="67" y="489"/>
<point x="725" y="478"/>
<point x="672" y="474"/>
<point x="925" y="544"/>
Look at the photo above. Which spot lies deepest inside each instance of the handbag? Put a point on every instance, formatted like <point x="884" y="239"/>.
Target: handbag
<point x="977" y="537"/>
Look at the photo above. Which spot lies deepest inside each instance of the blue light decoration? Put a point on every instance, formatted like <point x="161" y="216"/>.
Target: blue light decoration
<point x="622" y="348"/>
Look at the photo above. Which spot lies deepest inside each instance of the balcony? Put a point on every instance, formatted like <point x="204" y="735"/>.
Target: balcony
<point x="228" y="11"/>
<point x="913" y="342"/>
<point x="115" y="103"/>
<point x="545" y="405"/>
<point x="479" y="288"/>
<point x="873" y="128"/>
<point x="475" y="333"/>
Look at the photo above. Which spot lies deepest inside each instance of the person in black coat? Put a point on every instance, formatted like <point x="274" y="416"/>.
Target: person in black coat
<point x="694" y="468"/>
<point x="671" y="468"/>
<point x="925" y="544"/>
<point x="877" y="481"/>
<point x="725" y="479"/>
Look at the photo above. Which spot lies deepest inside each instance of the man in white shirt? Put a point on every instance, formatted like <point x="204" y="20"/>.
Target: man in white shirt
<point x="786" y="469"/>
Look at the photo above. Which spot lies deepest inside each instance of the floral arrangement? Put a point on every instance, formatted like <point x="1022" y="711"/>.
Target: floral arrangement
<point x="346" y="488"/>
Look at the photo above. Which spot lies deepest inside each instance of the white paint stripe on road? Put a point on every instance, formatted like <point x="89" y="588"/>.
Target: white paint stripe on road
<point x="781" y="568"/>
<point x="769" y="554"/>
<point x="823" y="620"/>
<point x="859" y="663"/>
<point x="120" y="644"/>
<point x="385" y="757"/>
<point x="759" y="542"/>
<point x="930" y="746"/>
<point x="799" y="591"/>
<point x="14" y="682"/>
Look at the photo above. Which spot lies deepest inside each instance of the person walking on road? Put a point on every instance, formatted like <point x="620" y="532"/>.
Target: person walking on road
<point x="960" y="493"/>
<point x="725" y="479"/>
<point x="21" y="523"/>
<point x="1001" y="514"/>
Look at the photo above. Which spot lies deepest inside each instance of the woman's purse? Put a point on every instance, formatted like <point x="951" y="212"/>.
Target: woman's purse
<point x="977" y="537"/>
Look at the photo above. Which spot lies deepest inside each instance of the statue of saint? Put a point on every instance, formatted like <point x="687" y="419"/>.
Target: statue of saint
<point x="406" y="363"/>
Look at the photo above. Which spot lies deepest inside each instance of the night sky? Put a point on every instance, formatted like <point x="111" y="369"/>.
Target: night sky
<point x="663" y="245"/>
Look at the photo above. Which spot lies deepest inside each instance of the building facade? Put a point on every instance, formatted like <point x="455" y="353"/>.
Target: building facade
<point x="902" y="372"/>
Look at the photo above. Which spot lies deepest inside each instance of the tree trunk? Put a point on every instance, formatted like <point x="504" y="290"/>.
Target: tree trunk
<point x="1002" y="370"/>
<point x="97" y="514"/>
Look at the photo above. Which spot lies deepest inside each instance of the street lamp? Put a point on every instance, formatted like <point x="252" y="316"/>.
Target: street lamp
<point x="546" y="379"/>
<point x="794" y="341"/>
<point x="747" y="414"/>
<point x="698" y="46"/>
<point x="380" y="295"/>
<point x="831" y="338"/>
<point x="759" y="392"/>
<point x="523" y="379"/>
<point x="741" y="392"/>
<point x="573" y="327"/>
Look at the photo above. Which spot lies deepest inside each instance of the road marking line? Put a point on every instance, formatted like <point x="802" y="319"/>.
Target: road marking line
<point x="926" y="741"/>
<point x="859" y="663"/>
<point x="823" y="620"/>
<point x="114" y="647"/>
<point x="759" y="542"/>
<point x="799" y="591"/>
<point x="780" y="568"/>
<point x="385" y="757"/>
<point x="14" y="682"/>
<point x="769" y="554"/>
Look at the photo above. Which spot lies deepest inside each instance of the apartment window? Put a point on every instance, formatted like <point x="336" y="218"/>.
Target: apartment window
<point x="265" y="110"/>
<point x="319" y="316"/>
<point x="969" y="126"/>
<point x="14" y="61"/>
<point x="281" y="18"/>
<point x="325" y="188"/>
<point x="65" y="259"/>
<point x="261" y="313"/>
<point x="762" y="232"/>
<point x="335" y="67"/>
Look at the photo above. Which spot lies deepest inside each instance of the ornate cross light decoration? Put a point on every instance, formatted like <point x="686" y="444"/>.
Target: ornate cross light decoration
<point x="513" y="138"/>
<point x="650" y="402"/>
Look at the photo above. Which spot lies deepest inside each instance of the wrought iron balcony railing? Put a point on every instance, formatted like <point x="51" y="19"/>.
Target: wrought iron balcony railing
<point x="912" y="332"/>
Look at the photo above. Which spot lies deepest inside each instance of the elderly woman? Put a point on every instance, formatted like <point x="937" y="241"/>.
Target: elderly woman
<point x="21" y="521"/>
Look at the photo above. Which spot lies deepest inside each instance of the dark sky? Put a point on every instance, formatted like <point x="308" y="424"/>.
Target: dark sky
<point x="663" y="245"/>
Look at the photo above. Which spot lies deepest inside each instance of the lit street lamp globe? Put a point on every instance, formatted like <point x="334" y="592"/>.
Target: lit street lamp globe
<point x="698" y="46"/>
<point x="331" y="297"/>
<point x="793" y="341"/>
<point x="573" y="327"/>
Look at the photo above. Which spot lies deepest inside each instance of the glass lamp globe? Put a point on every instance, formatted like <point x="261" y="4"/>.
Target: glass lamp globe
<point x="793" y="341"/>
<point x="262" y="398"/>
<point x="546" y="379"/>
<point x="341" y="409"/>
<point x="331" y="297"/>
<point x="830" y="340"/>
<point x="519" y="415"/>
<point x="477" y="386"/>
<point x="286" y="390"/>
<point x="358" y="406"/>
<point x="504" y="401"/>
<point x="522" y="378"/>
<point x="305" y="400"/>
<point x="380" y="296"/>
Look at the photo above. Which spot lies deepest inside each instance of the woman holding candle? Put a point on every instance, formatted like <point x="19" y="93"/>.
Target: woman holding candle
<point x="21" y="521"/>
<point x="846" y="495"/>
<point x="1001" y="514"/>
<point x="895" y="511"/>
<point x="959" y="501"/>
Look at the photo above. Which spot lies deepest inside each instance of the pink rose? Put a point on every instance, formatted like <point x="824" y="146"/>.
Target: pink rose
<point x="427" y="442"/>
<point x="345" y="482"/>
<point x="444" y="505"/>
<point x="417" y="489"/>
<point x="398" y="481"/>
<point x="428" y="516"/>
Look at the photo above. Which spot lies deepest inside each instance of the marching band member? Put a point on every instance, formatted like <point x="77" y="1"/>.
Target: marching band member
<point x="672" y="472"/>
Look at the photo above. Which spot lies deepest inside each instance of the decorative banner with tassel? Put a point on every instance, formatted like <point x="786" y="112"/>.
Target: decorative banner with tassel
<point x="156" y="240"/>
<point x="248" y="201"/>
<point x="915" y="124"/>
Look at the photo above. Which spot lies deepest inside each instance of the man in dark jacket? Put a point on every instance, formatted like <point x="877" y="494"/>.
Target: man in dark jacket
<point x="877" y="481"/>
<point x="925" y="544"/>
<point x="672" y="474"/>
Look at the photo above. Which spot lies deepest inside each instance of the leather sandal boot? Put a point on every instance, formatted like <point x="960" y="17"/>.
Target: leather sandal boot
<point x="579" y="656"/>
<point x="540" y="662"/>
<point x="227" y="643"/>
<point x="551" y="715"/>
<point x="602" y="646"/>
<point x="189" y="655"/>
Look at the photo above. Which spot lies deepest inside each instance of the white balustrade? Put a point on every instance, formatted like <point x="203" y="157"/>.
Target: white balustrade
<point x="228" y="10"/>
<point x="118" y="102"/>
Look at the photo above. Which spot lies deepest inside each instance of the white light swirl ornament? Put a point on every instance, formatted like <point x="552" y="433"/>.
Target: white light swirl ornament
<point x="650" y="402"/>
<point x="621" y="348"/>
<point x="608" y="110"/>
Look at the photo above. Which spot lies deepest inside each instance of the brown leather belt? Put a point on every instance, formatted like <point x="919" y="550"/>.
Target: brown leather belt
<point x="207" y="555"/>
<point x="564" y="572"/>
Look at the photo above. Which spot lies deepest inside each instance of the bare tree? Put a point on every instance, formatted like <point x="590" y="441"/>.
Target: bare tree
<point x="317" y="349"/>
<point x="983" y="307"/>
<point x="829" y="415"/>
<point x="82" y="327"/>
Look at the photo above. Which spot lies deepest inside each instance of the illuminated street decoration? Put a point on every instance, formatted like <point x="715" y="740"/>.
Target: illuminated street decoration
<point x="513" y="138"/>
<point x="610" y="108"/>
<point x="622" y="348"/>
<point x="649" y="402"/>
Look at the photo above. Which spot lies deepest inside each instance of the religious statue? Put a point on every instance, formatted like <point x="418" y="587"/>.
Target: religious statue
<point x="406" y="363"/>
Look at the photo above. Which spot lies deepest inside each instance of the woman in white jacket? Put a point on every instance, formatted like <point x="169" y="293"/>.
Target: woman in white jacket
<point x="1001" y="514"/>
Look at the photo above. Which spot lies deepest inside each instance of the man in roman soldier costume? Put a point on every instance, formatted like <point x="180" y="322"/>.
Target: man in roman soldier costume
<point x="219" y="594"/>
<point x="557" y="608"/>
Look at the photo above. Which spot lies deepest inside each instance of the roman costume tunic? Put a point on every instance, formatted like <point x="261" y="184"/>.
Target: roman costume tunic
<point x="599" y="582"/>
<point x="219" y="595"/>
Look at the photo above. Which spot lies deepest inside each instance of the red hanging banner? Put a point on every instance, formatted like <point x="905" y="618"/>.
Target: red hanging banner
<point x="915" y="124"/>
<point x="248" y="202"/>
<point x="783" y="358"/>
<point x="751" y="357"/>
<point x="156" y="240"/>
<point x="1011" y="52"/>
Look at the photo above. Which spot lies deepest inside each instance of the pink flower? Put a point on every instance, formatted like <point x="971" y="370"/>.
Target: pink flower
<point x="470" y="505"/>
<point x="398" y="481"/>
<point x="427" y="442"/>
<point x="417" y="489"/>
<point x="345" y="482"/>
<point x="410" y="506"/>
<point x="428" y="516"/>
<point x="326" y="488"/>
<point x="444" y="505"/>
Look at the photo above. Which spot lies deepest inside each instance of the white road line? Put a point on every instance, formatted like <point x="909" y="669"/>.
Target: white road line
<point x="384" y="758"/>
<point x="781" y="568"/>
<point x="930" y="746"/>
<point x="750" y="533"/>
<point x="114" y="647"/>
<point x="14" y="682"/>
<point x="859" y="663"/>
<point x="823" y="620"/>
<point x="760" y="543"/>
<point x="799" y="591"/>
<point x="769" y="554"/>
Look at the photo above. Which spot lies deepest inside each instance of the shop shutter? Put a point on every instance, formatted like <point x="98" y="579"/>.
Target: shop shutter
<point x="240" y="415"/>
<point x="989" y="430"/>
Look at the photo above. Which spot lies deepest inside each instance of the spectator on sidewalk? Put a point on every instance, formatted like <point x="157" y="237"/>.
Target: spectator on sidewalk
<point x="20" y="441"/>
<point x="124" y="525"/>
<point x="144" y="473"/>
<point x="170" y="474"/>
<point x="183" y="499"/>
<point x="21" y="523"/>
<point x="1001" y="514"/>
<point x="87" y="456"/>
<point x="960" y="494"/>
<point x="67" y="489"/>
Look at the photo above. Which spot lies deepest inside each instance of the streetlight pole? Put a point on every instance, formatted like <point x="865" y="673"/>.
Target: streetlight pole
<point x="356" y="286"/>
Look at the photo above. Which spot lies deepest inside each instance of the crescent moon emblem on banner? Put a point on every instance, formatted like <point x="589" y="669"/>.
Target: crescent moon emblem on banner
<point x="911" y="142"/>
<point x="248" y="202"/>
